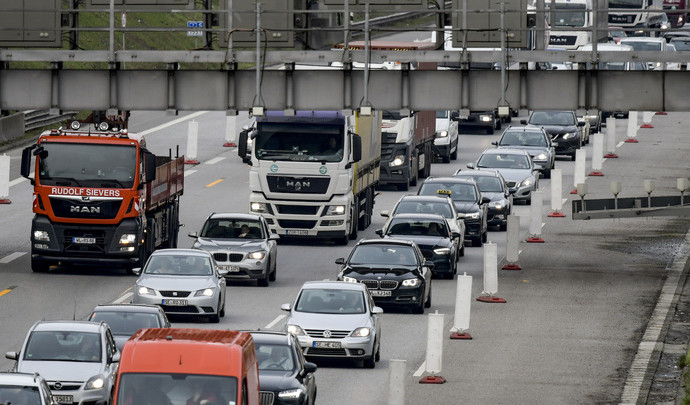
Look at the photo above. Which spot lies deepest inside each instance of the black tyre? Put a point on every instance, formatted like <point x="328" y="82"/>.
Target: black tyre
<point x="462" y="250"/>
<point x="454" y="154"/>
<point x="503" y="226"/>
<point x="490" y="130"/>
<point x="263" y="282"/>
<point x="222" y="311"/>
<point x="214" y="318"/>
<point x="272" y="276"/>
<point x="370" y="362"/>
<point x="39" y="266"/>
<point x="547" y="174"/>
<point x="498" y="123"/>
<point x="404" y="186"/>
<point x="485" y="236"/>
<point x="445" y="159"/>
<point x="418" y="309"/>
<point x="341" y="240"/>
<point x="572" y="156"/>
<point x="477" y="242"/>
<point x="427" y="303"/>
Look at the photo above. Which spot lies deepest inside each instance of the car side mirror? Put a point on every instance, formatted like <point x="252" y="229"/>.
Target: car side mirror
<point x="136" y="271"/>
<point x="379" y="232"/>
<point x="454" y="235"/>
<point x="12" y="355"/>
<point x="486" y="200"/>
<point x="470" y="165"/>
<point x="309" y="367"/>
<point x="377" y="310"/>
<point x="274" y="236"/>
<point x="340" y="260"/>
<point x="385" y="213"/>
<point x="512" y="190"/>
<point x="193" y="235"/>
<point x="286" y="307"/>
<point x="429" y="264"/>
<point x="523" y="122"/>
<point x="581" y="123"/>
<point x="538" y="167"/>
<point x="495" y="143"/>
<point x="115" y="358"/>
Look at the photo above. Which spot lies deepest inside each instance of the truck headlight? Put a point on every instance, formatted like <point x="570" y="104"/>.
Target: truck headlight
<point x="350" y="279"/>
<point x="398" y="161"/>
<point x="258" y="255"/>
<point x="257" y="207"/>
<point x="361" y="332"/>
<point x="541" y="156"/>
<point x="42" y="236"/>
<point x="335" y="210"/>
<point x="295" y="330"/>
<point x="96" y="382"/>
<point x="411" y="282"/>
<point x="206" y="292"/>
<point x="442" y="134"/>
<point x="128" y="238"/>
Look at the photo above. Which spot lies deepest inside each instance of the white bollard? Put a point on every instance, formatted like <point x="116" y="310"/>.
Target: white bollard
<point x="580" y="163"/>
<point x="597" y="156"/>
<point x="535" y="217"/>
<point x="396" y="381"/>
<point x="230" y="130"/>
<point x="513" y="242"/>
<point x="556" y="191"/>
<point x="490" y="274"/>
<point x="5" y="179"/>
<point x="192" y="140"/>
<point x="632" y="126"/>
<point x="647" y="119"/>
<point x="463" y="301"/>
<point x="434" y="349"/>
<point x="610" y="138"/>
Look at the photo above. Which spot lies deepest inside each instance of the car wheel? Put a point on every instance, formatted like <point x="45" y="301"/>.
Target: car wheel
<point x="454" y="154"/>
<point x="215" y="318"/>
<point x="427" y="303"/>
<point x="528" y="201"/>
<point x="272" y="276"/>
<point x="503" y="226"/>
<point x="370" y="362"/>
<point x="485" y="236"/>
<point x="404" y="186"/>
<point x="446" y="159"/>
<point x="477" y="242"/>
<point x="40" y="266"/>
<point x="572" y="156"/>
<point x="263" y="282"/>
<point x="462" y="250"/>
<point x="490" y="130"/>
<point x="498" y="123"/>
<point x="547" y="174"/>
<point x="342" y="240"/>
<point x="222" y="310"/>
<point x="418" y="309"/>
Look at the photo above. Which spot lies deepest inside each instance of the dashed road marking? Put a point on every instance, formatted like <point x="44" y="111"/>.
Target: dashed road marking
<point x="11" y="256"/>
<point x="127" y="294"/>
<point x="214" y="183"/>
<point x="420" y="370"/>
<point x="171" y="123"/>
<point x="275" y="321"/>
<point x="188" y="172"/>
<point x="6" y="290"/>
<point x="215" y="160"/>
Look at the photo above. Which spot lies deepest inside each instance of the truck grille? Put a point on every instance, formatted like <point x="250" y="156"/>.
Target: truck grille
<point x="71" y="235"/>
<point x="302" y="185"/>
<point x="562" y="40"/>
<point x="335" y="334"/>
<point x="297" y="209"/>
<point x="617" y="19"/>
<point x="266" y="398"/>
<point x="296" y="224"/>
<point x="228" y="257"/>
<point x="69" y="208"/>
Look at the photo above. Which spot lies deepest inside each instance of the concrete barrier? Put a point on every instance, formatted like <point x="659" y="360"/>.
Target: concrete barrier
<point x="11" y="127"/>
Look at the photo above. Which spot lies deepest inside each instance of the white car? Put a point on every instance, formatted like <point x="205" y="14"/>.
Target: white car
<point x="446" y="141"/>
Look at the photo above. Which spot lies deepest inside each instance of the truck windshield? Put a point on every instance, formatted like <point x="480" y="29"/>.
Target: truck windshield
<point x="299" y="142"/>
<point x="168" y="388"/>
<point x="87" y="165"/>
<point x="626" y="3"/>
<point x="567" y="15"/>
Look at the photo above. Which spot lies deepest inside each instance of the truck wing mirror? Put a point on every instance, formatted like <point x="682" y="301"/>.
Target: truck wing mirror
<point x="242" y="145"/>
<point x="26" y="160"/>
<point x="356" y="148"/>
<point x="150" y="166"/>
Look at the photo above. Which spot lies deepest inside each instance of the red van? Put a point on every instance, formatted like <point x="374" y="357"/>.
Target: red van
<point x="166" y="366"/>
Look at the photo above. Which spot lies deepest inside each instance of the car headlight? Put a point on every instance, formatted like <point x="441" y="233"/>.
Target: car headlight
<point x="442" y="134"/>
<point x="206" y="292"/>
<point x="258" y="255"/>
<point x="526" y="182"/>
<point x="496" y="204"/>
<point x="290" y="394"/>
<point x="412" y="282"/>
<point x="361" y="332"/>
<point x="472" y="215"/>
<point x="348" y="279"/>
<point x="484" y="118"/>
<point x="398" y="161"/>
<point x="295" y="330"/>
<point x="96" y="382"/>
<point x="569" y="135"/>
<point x="42" y="236"/>
<point x="541" y="156"/>
<point x="335" y="210"/>
<point x="128" y="238"/>
<point x="146" y="291"/>
<point x="442" y="251"/>
<point x="257" y="207"/>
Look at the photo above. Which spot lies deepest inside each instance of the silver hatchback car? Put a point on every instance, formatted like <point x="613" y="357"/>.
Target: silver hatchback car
<point x="336" y="319"/>
<point x="24" y="388"/>
<point x="182" y="281"/>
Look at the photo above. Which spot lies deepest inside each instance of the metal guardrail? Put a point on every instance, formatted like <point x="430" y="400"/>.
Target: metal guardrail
<point x="34" y="119"/>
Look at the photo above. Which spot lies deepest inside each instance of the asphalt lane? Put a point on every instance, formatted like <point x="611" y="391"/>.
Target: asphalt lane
<point x="567" y="334"/>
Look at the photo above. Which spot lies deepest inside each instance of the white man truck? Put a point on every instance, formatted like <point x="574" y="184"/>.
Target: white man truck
<point x="567" y="14"/>
<point x="649" y="16"/>
<point x="313" y="173"/>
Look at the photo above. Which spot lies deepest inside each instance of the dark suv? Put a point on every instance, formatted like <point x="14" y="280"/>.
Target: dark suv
<point x="493" y="186"/>
<point x="565" y="129"/>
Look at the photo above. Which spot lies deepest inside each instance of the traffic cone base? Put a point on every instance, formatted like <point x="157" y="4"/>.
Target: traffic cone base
<point x="631" y="140"/>
<point x="460" y="335"/>
<point x="596" y="173"/>
<point x="191" y="162"/>
<point x="574" y="191"/>
<point x="646" y="126"/>
<point x="556" y="214"/>
<point x="511" y="266"/>
<point x="534" y="239"/>
<point x="5" y="201"/>
<point x="491" y="299"/>
<point x="229" y="144"/>
<point x="611" y="156"/>
<point x="432" y="379"/>
<point x="660" y="113"/>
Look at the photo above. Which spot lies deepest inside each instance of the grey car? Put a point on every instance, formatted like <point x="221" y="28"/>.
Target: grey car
<point x="336" y="319"/>
<point x="125" y="319"/>
<point x="182" y="281"/>
<point x="78" y="359"/>
<point x="250" y="255"/>
<point x="24" y="388"/>
<point x="516" y="167"/>
<point x="535" y="141"/>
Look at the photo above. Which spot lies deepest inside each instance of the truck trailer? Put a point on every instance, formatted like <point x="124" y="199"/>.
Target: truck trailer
<point x="101" y="199"/>
<point x="313" y="173"/>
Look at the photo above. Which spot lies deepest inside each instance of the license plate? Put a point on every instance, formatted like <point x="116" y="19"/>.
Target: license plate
<point x="326" y="345"/>
<point x="380" y="293"/>
<point x="230" y="269"/>
<point x="296" y="232"/>
<point x="62" y="399"/>
<point x="175" y="303"/>
<point x="86" y="241"/>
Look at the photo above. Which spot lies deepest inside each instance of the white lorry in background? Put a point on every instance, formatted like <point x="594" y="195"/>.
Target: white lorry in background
<point x="446" y="141"/>
<point x="313" y="173"/>
<point x="569" y="14"/>
<point x="649" y="16"/>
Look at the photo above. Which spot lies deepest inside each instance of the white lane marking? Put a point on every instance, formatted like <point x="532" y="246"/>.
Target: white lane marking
<point x="215" y="160"/>
<point x="668" y="298"/>
<point x="620" y="144"/>
<point x="171" y="123"/>
<point x="124" y="297"/>
<point x="188" y="172"/>
<point x="11" y="257"/>
<point x="275" y="321"/>
<point x="420" y="370"/>
<point x="17" y="181"/>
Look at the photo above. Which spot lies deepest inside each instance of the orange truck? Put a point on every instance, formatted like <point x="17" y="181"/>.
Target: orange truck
<point x="100" y="199"/>
<point x="166" y="366"/>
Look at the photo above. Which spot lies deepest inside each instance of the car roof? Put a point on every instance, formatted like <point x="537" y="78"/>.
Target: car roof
<point x="76" y="326"/>
<point x="508" y="151"/>
<point x="526" y="128"/>
<point x="423" y="197"/>
<point x="181" y="252"/>
<point x="420" y="217"/>
<point x="449" y="179"/>
<point x="25" y="379"/>
<point x="643" y="39"/>
<point x="546" y="109"/>
<point x="607" y="47"/>
<point x="234" y="215"/>
<point x="391" y="241"/>
<point x="271" y="337"/>
<point x="342" y="285"/>
<point x="478" y="172"/>
<point x="147" y="308"/>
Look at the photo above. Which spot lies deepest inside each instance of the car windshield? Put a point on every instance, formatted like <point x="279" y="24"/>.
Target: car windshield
<point x="63" y="346"/>
<point x="383" y="254"/>
<point x="126" y="323"/>
<point x="179" y="265"/>
<point x="330" y="301"/>
<point x="424" y="207"/>
<point x="228" y="228"/>
<point x="642" y="45"/>
<point x="169" y="388"/>
<point x="20" y="395"/>
<point x="522" y="138"/>
<point x="274" y="357"/>
<point x="567" y="15"/>
<point x="503" y="161"/>
<point x="422" y="228"/>
<point x="455" y="190"/>
<point x="552" y="118"/>
<point x="489" y="184"/>
<point x="682" y="45"/>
